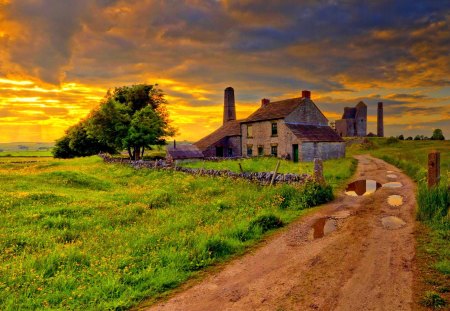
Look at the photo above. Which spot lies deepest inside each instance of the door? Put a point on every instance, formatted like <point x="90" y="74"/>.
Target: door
<point x="219" y="152"/>
<point x="295" y="152"/>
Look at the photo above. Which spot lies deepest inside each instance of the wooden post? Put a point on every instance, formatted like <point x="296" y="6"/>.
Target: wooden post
<point x="240" y="167"/>
<point x="434" y="163"/>
<point x="318" y="171"/>
<point x="275" y="173"/>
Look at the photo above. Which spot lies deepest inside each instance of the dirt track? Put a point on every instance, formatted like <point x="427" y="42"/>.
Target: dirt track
<point x="360" y="266"/>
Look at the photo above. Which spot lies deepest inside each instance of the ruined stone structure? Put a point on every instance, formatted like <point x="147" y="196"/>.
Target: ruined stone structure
<point x="380" y="125"/>
<point x="353" y="122"/>
<point x="293" y="128"/>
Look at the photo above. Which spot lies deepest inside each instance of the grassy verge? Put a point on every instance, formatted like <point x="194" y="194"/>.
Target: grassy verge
<point x="433" y="238"/>
<point x="81" y="234"/>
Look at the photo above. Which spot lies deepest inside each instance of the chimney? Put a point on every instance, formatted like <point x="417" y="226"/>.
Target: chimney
<point x="174" y="144"/>
<point x="265" y="102"/>
<point x="306" y="94"/>
<point x="380" y="125"/>
<point x="229" y="107"/>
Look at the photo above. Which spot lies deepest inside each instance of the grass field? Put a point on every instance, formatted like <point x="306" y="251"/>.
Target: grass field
<point x="81" y="234"/>
<point x="433" y="232"/>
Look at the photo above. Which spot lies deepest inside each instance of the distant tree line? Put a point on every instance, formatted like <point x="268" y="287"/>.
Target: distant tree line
<point x="437" y="135"/>
<point x="129" y="118"/>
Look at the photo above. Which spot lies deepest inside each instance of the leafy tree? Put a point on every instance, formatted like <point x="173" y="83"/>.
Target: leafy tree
<point x="77" y="143"/>
<point x="401" y="137"/>
<point x="437" y="135"/>
<point x="409" y="138"/>
<point x="417" y="137"/>
<point x="130" y="117"/>
<point x="133" y="118"/>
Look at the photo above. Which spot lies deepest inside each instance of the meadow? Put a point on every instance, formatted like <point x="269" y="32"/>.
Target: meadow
<point x="82" y="234"/>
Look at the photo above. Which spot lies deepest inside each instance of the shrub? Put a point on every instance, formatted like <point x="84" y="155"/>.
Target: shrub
<point x="217" y="247"/>
<point x="391" y="140"/>
<point x="313" y="194"/>
<point x="266" y="223"/>
<point x="433" y="300"/>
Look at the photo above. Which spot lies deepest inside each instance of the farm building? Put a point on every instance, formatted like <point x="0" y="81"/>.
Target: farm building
<point x="294" y="129"/>
<point x="353" y="122"/>
<point x="182" y="152"/>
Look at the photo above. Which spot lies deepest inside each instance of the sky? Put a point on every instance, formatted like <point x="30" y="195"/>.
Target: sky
<point x="58" y="58"/>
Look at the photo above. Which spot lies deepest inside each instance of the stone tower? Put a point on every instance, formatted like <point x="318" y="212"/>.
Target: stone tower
<point x="229" y="107"/>
<point x="380" y="126"/>
<point x="361" y="120"/>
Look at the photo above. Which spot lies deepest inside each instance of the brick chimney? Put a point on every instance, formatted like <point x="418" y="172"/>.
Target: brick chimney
<point x="265" y="102"/>
<point x="229" y="107"/>
<point x="306" y="94"/>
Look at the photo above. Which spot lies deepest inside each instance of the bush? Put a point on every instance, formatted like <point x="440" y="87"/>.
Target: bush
<point x="391" y="140"/>
<point x="308" y="195"/>
<point x="433" y="300"/>
<point x="266" y="223"/>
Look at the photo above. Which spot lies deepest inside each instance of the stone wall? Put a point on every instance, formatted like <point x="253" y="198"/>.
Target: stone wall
<point x="323" y="150"/>
<point x="263" y="178"/>
<point x="307" y="113"/>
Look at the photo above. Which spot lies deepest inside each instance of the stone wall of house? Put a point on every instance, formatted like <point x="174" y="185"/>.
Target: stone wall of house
<point x="323" y="150"/>
<point x="262" y="137"/>
<point x="307" y="113"/>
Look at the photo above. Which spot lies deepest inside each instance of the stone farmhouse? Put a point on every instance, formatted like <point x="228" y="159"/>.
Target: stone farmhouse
<point x="294" y="129"/>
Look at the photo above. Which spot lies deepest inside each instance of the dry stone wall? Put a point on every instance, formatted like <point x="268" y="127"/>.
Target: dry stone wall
<point x="262" y="178"/>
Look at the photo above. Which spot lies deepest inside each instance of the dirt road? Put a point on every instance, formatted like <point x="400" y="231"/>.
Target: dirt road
<point x="364" y="264"/>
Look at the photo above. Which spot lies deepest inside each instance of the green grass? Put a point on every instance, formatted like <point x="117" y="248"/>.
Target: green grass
<point x="335" y="171"/>
<point x="82" y="234"/>
<point x="433" y="238"/>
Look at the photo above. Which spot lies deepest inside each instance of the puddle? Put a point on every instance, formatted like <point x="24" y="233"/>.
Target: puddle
<point x="362" y="187"/>
<point x="392" y="184"/>
<point x="395" y="200"/>
<point x="393" y="176"/>
<point x="392" y="222"/>
<point x="390" y="172"/>
<point x="323" y="226"/>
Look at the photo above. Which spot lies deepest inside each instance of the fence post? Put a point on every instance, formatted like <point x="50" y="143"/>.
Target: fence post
<point x="240" y="167"/>
<point x="318" y="171"/>
<point x="275" y="172"/>
<point x="434" y="163"/>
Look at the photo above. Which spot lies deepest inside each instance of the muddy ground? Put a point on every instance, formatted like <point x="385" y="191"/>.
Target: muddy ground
<point x="349" y="255"/>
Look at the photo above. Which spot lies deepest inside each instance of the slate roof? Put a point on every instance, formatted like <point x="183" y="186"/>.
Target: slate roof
<point x="185" y="151"/>
<point x="314" y="133"/>
<point x="230" y="128"/>
<point x="275" y="110"/>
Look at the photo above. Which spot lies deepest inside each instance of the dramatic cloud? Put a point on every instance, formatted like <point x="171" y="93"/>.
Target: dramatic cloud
<point x="58" y="58"/>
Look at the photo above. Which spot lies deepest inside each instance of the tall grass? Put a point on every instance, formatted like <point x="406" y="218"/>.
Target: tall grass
<point x="433" y="204"/>
<point x="81" y="234"/>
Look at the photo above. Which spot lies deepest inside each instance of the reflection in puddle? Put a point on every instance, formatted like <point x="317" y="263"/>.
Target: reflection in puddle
<point x="392" y="222"/>
<point x="362" y="187"/>
<point x="395" y="200"/>
<point x="323" y="226"/>
<point x="392" y="184"/>
<point x="393" y="176"/>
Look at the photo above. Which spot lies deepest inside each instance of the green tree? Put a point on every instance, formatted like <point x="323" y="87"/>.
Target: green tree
<point x="401" y="137"/>
<point x="437" y="135"/>
<point x="417" y="137"/>
<point x="130" y="117"/>
<point x="77" y="143"/>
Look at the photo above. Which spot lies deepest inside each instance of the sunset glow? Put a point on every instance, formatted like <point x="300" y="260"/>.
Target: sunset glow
<point x="57" y="60"/>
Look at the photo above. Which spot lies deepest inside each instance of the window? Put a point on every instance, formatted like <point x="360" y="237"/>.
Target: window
<point x="230" y="152"/>
<point x="249" y="150"/>
<point x="260" y="150"/>
<point x="274" y="150"/>
<point x="274" y="129"/>
<point x="249" y="131"/>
